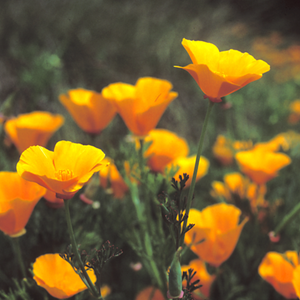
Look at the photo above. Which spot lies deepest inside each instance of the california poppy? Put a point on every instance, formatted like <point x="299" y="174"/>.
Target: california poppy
<point x="57" y="276"/>
<point x="150" y="291"/>
<point x="218" y="225"/>
<point x="202" y="274"/>
<point x="18" y="198"/>
<point x="187" y="164"/>
<point x="165" y="147"/>
<point x="296" y="280"/>
<point x="32" y="129"/>
<point x="91" y="111"/>
<point x="111" y="177"/>
<point x="278" y="269"/>
<point x="261" y="165"/>
<point x="64" y="170"/>
<point x="221" y="73"/>
<point x="141" y="105"/>
<point x="52" y="200"/>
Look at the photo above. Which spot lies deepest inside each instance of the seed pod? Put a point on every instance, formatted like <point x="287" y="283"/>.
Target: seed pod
<point x="175" y="278"/>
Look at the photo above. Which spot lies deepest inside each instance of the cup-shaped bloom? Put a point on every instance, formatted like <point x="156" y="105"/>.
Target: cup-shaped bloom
<point x="294" y="116"/>
<point x="187" y="164"/>
<point x="111" y="177"/>
<point x="219" y="226"/>
<point x="18" y="198"/>
<point x="90" y="110"/>
<point x="202" y="274"/>
<point x="278" y="269"/>
<point x="57" y="276"/>
<point x="260" y="165"/>
<point x="64" y="170"/>
<point x="32" y="129"/>
<point x="221" y="73"/>
<point x="141" y="106"/>
<point x="150" y="292"/>
<point x="165" y="147"/>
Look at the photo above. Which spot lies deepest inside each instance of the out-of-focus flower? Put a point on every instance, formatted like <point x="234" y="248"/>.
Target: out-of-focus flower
<point x="296" y="280"/>
<point x="91" y="111"/>
<point x="105" y="290"/>
<point x="205" y="278"/>
<point x="187" y="164"/>
<point x="278" y="269"/>
<point x="166" y="146"/>
<point x="58" y="277"/>
<point x="18" y="198"/>
<point x="280" y="141"/>
<point x="150" y="291"/>
<point x="221" y="73"/>
<point x="294" y="116"/>
<point x="64" y="170"/>
<point x="141" y="106"/>
<point x="224" y="149"/>
<point x="237" y="188"/>
<point x="260" y="165"/>
<point x="219" y="226"/>
<point x="32" y="129"/>
<point x="111" y="178"/>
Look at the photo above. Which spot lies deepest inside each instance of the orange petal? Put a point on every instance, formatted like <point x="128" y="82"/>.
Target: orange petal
<point x="150" y="291"/>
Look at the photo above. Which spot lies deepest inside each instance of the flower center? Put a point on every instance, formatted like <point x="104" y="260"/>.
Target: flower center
<point x="64" y="175"/>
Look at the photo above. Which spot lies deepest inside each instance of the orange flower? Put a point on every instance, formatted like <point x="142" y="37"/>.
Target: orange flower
<point x="187" y="164"/>
<point x="90" y="110"/>
<point x="52" y="200"/>
<point x="260" y="165"/>
<point x="221" y="73"/>
<point x="280" y="141"/>
<point x="205" y="278"/>
<point x="142" y="105"/>
<point x="110" y="176"/>
<point x="296" y="280"/>
<point x="166" y="146"/>
<point x="64" y="170"/>
<point x="278" y="269"/>
<point x="294" y="116"/>
<point x="219" y="226"/>
<point x="58" y="277"/>
<point x="18" y="198"/>
<point x="32" y="129"/>
<point x="150" y="291"/>
<point x="224" y="149"/>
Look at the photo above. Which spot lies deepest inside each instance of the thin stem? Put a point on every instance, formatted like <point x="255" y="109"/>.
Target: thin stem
<point x="287" y="219"/>
<point x="199" y="152"/>
<point x="18" y="252"/>
<point x="87" y="281"/>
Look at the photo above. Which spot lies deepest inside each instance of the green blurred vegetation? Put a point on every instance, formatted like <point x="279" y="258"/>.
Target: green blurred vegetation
<point x="48" y="47"/>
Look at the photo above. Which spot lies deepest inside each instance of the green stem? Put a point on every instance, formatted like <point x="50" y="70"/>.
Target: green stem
<point x="287" y="219"/>
<point x="199" y="152"/>
<point x="18" y="252"/>
<point x="87" y="281"/>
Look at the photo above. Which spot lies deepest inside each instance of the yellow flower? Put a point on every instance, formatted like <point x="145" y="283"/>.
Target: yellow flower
<point x="278" y="269"/>
<point x="202" y="274"/>
<point x="64" y="170"/>
<point x="221" y="73"/>
<point x="32" y="129"/>
<point x="166" y="146"/>
<point x="58" y="277"/>
<point x="219" y="226"/>
<point x="18" y="198"/>
<point x="90" y="110"/>
<point x="141" y="106"/>
<point x="110" y="176"/>
<point x="187" y="164"/>
<point x="260" y="165"/>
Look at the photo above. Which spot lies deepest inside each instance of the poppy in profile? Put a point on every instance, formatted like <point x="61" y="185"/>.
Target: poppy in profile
<point x="221" y="73"/>
<point x="141" y="105"/>
<point x="31" y="129"/>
